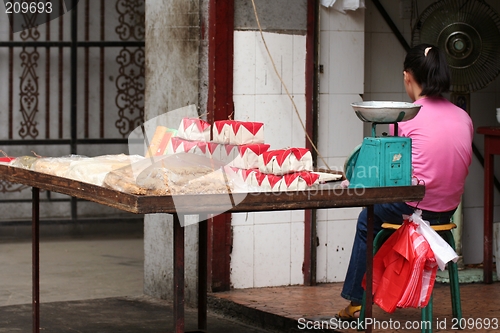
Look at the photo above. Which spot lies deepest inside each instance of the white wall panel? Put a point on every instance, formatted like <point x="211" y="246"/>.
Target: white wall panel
<point x="242" y="256"/>
<point x="342" y="54"/>
<point x="340" y="238"/>
<point x="244" y="70"/>
<point x="278" y="236"/>
<point x="346" y="72"/>
<point x="272" y="254"/>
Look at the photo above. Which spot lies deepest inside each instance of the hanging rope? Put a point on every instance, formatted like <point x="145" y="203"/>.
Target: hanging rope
<point x="286" y="89"/>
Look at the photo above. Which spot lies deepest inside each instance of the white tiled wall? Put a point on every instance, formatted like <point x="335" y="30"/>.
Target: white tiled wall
<point x="342" y="52"/>
<point x="335" y="229"/>
<point x="258" y="92"/>
<point x="268" y="247"/>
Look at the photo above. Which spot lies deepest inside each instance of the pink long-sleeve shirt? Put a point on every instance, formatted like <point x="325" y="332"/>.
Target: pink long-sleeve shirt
<point x="441" y="136"/>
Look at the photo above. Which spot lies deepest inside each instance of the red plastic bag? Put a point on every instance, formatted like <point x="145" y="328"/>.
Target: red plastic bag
<point x="404" y="270"/>
<point x="421" y="282"/>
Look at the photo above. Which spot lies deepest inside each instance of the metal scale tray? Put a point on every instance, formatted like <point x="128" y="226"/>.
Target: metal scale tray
<point x="386" y="160"/>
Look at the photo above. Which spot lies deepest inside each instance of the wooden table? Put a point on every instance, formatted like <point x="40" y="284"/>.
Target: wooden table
<point x="326" y="196"/>
<point x="491" y="148"/>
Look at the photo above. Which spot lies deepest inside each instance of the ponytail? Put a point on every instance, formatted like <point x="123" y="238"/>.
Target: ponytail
<point x="429" y="68"/>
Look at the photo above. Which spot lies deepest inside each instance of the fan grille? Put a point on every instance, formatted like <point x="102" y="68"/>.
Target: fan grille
<point x="469" y="32"/>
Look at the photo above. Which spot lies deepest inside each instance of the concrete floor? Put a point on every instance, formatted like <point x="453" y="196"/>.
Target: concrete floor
<point x="72" y="269"/>
<point x="91" y="285"/>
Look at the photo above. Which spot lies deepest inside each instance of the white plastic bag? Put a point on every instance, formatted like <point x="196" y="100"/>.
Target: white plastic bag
<point x="442" y="250"/>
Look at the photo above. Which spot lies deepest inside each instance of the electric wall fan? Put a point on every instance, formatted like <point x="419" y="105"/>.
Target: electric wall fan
<point x="469" y="33"/>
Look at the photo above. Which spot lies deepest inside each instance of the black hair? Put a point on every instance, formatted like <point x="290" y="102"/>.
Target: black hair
<point x="427" y="64"/>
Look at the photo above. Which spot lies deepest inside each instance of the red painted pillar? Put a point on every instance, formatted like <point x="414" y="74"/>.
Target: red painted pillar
<point x="219" y="107"/>
<point x="309" y="266"/>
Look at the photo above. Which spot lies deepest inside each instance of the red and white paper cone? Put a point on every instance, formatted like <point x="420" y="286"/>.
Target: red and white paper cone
<point x="221" y="130"/>
<point x="227" y="153"/>
<point x="212" y="150"/>
<point x="299" y="181"/>
<point x="246" y="132"/>
<point x="237" y="132"/>
<point x="283" y="161"/>
<point x="194" y="129"/>
<point x="179" y="145"/>
<point x="247" y="156"/>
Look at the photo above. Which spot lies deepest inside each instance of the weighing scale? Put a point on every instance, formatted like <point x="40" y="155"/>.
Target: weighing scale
<point x="385" y="160"/>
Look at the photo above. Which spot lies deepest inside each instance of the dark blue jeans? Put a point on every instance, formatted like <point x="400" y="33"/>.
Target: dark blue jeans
<point x="392" y="213"/>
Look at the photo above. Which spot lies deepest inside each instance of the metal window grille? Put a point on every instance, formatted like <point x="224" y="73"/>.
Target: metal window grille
<point x="73" y="85"/>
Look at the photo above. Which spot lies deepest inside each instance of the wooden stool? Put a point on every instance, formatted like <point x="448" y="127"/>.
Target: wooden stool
<point x="444" y="230"/>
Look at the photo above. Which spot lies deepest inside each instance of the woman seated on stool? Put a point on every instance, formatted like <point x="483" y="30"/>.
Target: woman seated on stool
<point x="441" y="136"/>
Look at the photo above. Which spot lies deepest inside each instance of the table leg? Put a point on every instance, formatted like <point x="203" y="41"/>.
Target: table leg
<point x="35" y="258"/>
<point x="178" y="275"/>
<point x="488" y="217"/>
<point x="202" y="272"/>
<point x="369" y="266"/>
